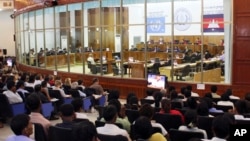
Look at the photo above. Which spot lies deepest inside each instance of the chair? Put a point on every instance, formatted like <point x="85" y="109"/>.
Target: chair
<point x="133" y="134"/>
<point x="10" y="110"/>
<point x="115" y="69"/>
<point x="74" y="93"/>
<point x="176" y="105"/>
<point x="132" y="115"/>
<point x="86" y="103"/>
<point x="168" y="121"/>
<point x="39" y="133"/>
<point x="47" y="109"/>
<point x="178" y="135"/>
<point x="205" y="123"/>
<point x="149" y="101"/>
<point x="59" y="134"/>
<point x="99" y="123"/>
<point x="223" y="107"/>
<point x="183" y="73"/>
<point x="29" y="89"/>
<point x="102" y="100"/>
<point x="103" y="137"/>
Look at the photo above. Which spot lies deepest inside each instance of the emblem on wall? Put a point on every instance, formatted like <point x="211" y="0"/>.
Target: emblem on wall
<point x="182" y="18"/>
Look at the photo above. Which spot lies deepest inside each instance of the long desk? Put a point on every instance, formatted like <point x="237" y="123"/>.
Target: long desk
<point x="61" y="60"/>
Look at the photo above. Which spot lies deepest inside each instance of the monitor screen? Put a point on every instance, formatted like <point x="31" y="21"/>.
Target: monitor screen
<point x="116" y="55"/>
<point x="9" y="62"/>
<point x="156" y="81"/>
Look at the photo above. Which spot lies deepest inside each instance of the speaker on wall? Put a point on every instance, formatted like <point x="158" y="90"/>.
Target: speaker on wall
<point x="4" y="51"/>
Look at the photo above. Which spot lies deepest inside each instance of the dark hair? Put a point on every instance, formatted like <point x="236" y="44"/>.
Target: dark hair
<point x="109" y="113"/>
<point x="79" y="82"/>
<point x="208" y="101"/>
<point x="37" y="88"/>
<point x="247" y="96"/>
<point x="143" y="128"/>
<point x="208" y="95"/>
<point x="19" y="84"/>
<point x="183" y="90"/>
<point x="192" y="103"/>
<point x="33" y="102"/>
<point x="166" y="105"/>
<point x="10" y="84"/>
<point x="241" y="106"/>
<point x="202" y="109"/>
<point x="129" y="95"/>
<point x="146" y="110"/>
<point x="189" y="87"/>
<point x="173" y="95"/>
<point x="113" y="94"/>
<point x="77" y="104"/>
<point x="44" y="84"/>
<point x="220" y="126"/>
<point x="190" y="118"/>
<point x="95" y="80"/>
<point x="67" y="110"/>
<point x="83" y="131"/>
<point x="213" y="88"/>
<point x="150" y="92"/>
<point x="18" y="123"/>
<point x="225" y="97"/>
<point x="187" y="93"/>
<point x="116" y="103"/>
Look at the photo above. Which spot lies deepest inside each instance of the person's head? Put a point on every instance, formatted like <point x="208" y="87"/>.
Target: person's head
<point x="44" y="84"/>
<point x="220" y="126"/>
<point x="173" y="95"/>
<point x="67" y="81"/>
<point x="208" y="101"/>
<point x="11" y="85"/>
<point x="247" y="96"/>
<point x="37" y="88"/>
<point x="213" y="88"/>
<point x="67" y="112"/>
<point x="158" y="97"/>
<point x="58" y="83"/>
<point x="166" y="105"/>
<point x="77" y="104"/>
<point x="33" y="102"/>
<point x="84" y="131"/>
<point x="110" y="113"/>
<point x="116" y="103"/>
<point x="74" y="85"/>
<point x="183" y="90"/>
<point x="190" y="118"/>
<point x="229" y="92"/>
<point x="208" y="95"/>
<point x="113" y="94"/>
<point x="225" y="97"/>
<point x="95" y="80"/>
<point x="80" y="82"/>
<point x="143" y="128"/>
<point x="187" y="93"/>
<point x="20" y="84"/>
<point x="149" y="92"/>
<point x="192" y="103"/>
<point x="147" y="110"/>
<point x="21" y="125"/>
<point x="129" y="95"/>
<point x="189" y="87"/>
<point x="241" y="107"/>
<point x="202" y="109"/>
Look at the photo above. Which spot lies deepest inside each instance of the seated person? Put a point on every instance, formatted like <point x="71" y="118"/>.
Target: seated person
<point x="58" y="85"/>
<point x="144" y="131"/>
<point x="22" y="128"/>
<point x="74" y="86"/>
<point x="110" y="115"/>
<point x="78" y="104"/>
<point x="11" y="93"/>
<point x="84" y="131"/>
<point x="33" y="102"/>
<point x="91" y="59"/>
<point x="67" y="114"/>
<point x="225" y="101"/>
<point x="190" y="123"/>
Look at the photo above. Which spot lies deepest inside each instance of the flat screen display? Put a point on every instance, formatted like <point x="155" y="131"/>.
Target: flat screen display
<point x="9" y="62"/>
<point x="156" y="81"/>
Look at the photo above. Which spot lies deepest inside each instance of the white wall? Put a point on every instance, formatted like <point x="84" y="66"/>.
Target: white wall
<point x="7" y="32"/>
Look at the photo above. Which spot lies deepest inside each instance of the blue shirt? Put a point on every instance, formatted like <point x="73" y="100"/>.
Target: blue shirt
<point x="18" y="138"/>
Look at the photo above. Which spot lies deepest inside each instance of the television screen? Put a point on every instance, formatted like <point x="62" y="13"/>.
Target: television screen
<point x="156" y="81"/>
<point x="116" y="55"/>
<point x="9" y="62"/>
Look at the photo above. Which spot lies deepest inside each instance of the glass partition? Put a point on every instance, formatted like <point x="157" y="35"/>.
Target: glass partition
<point x="184" y="40"/>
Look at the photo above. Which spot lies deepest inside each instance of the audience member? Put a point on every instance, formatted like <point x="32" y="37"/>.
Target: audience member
<point x="74" y="86"/>
<point x="190" y="123"/>
<point x="78" y="104"/>
<point x="240" y="109"/>
<point x="193" y="94"/>
<point x="213" y="89"/>
<point x="58" y="85"/>
<point x="231" y="96"/>
<point x="148" y="111"/>
<point x="11" y="93"/>
<point x="91" y="59"/>
<point x="144" y="131"/>
<point x="110" y="115"/>
<point x="68" y="116"/>
<point x="84" y="131"/>
<point x="80" y="85"/>
<point x="225" y="101"/>
<point x="38" y="92"/>
<point x="98" y="88"/>
<point x="21" y="127"/>
<point x="166" y="108"/>
<point x="33" y="103"/>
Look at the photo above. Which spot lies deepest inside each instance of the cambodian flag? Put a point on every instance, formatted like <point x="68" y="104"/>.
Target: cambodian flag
<point x="213" y="23"/>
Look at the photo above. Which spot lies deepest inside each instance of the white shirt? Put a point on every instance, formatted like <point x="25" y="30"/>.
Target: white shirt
<point x="111" y="129"/>
<point x="225" y="103"/>
<point x="81" y="115"/>
<point x="240" y="117"/>
<point x="194" y="94"/>
<point x="91" y="60"/>
<point x="215" y="139"/>
<point x="194" y="129"/>
<point x="13" y="97"/>
<point x="234" y="97"/>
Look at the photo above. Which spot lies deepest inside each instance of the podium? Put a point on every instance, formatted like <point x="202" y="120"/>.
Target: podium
<point x="137" y="69"/>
